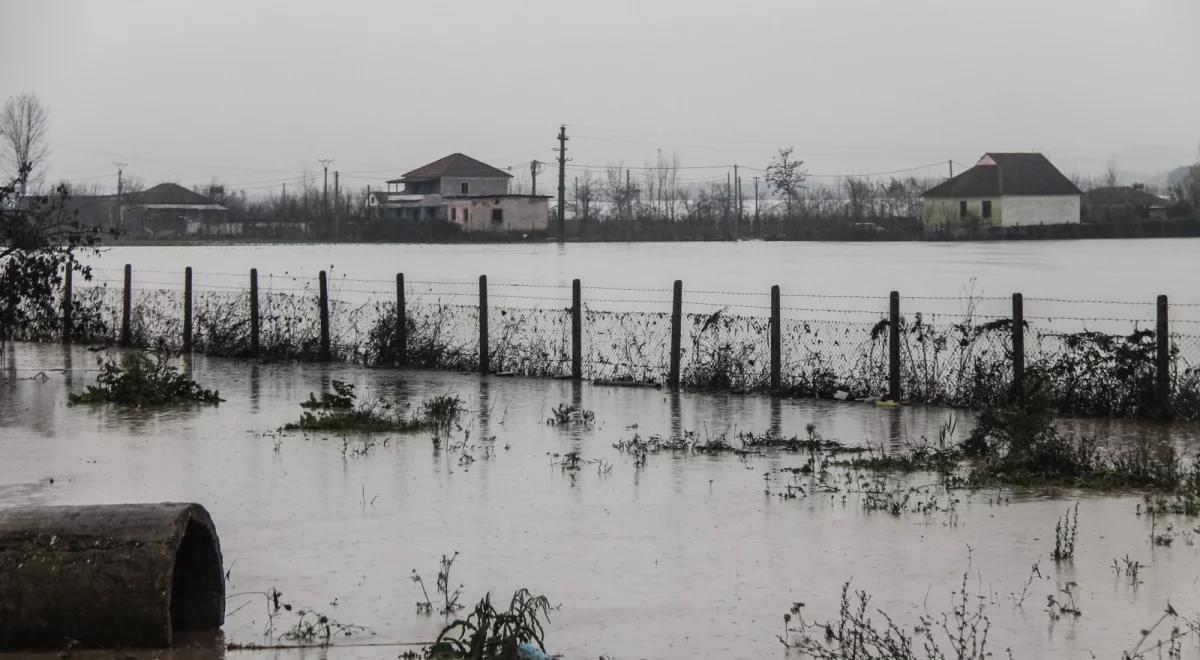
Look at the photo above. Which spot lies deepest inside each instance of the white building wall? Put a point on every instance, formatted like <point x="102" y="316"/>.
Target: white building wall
<point x="475" y="185"/>
<point x="519" y="214"/>
<point x="1025" y="210"/>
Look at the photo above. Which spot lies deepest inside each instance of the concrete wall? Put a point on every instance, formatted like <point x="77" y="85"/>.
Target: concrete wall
<point x="476" y="186"/>
<point x="522" y="214"/>
<point x="1041" y="210"/>
<point x="1007" y="211"/>
<point x="944" y="212"/>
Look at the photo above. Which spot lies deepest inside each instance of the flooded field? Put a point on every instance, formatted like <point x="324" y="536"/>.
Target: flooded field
<point x="1132" y="269"/>
<point x="689" y="555"/>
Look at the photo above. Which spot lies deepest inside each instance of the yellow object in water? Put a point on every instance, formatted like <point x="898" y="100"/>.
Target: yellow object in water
<point x="886" y="404"/>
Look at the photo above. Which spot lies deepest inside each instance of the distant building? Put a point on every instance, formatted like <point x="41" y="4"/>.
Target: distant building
<point x="1003" y="190"/>
<point x="463" y="191"/>
<point x="167" y="210"/>
<point x="1116" y="204"/>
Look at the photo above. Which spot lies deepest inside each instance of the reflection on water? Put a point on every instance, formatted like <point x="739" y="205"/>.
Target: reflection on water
<point x="685" y="557"/>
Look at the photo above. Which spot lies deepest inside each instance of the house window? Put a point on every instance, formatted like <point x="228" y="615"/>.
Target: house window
<point x="465" y="188"/>
<point x="962" y="209"/>
<point x="453" y="213"/>
<point x="497" y="215"/>
<point x="466" y="215"/>
<point x="987" y="208"/>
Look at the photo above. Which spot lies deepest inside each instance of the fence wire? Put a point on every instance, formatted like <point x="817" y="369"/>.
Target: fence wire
<point x="1094" y="357"/>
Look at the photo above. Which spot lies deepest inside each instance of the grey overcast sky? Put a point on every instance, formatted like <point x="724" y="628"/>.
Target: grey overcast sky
<point x="254" y="92"/>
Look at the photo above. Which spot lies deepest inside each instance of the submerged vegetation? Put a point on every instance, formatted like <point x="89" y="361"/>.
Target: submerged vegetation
<point x="1066" y="532"/>
<point x="570" y="415"/>
<point x="1021" y="444"/>
<point x="137" y="379"/>
<point x="340" y="410"/>
<point x="960" y="633"/>
<point x="491" y="634"/>
<point x="449" y="597"/>
<point x="304" y="626"/>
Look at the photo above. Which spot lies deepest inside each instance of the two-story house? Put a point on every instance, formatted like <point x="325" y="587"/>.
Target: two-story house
<point x="463" y="191"/>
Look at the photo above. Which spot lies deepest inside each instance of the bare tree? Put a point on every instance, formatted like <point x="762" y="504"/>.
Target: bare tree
<point x="39" y="242"/>
<point x="1112" y="174"/>
<point x="786" y="176"/>
<point x="24" y="123"/>
<point x="858" y="196"/>
<point x="1187" y="190"/>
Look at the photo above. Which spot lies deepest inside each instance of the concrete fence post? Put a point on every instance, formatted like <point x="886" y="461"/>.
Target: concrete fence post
<point x="1018" y="346"/>
<point x="323" y="301"/>
<point x="127" y="308"/>
<point x="254" y="320"/>
<point x="1162" y="360"/>
<point x="187" y="309"/>
<point x="776" y="341"/>
<point x="401" y="322"/>
<point x="676" y="333"/>
<point x="894" y="347"/>
<point x="576" y="331"/>
<point x="483" y="326"/>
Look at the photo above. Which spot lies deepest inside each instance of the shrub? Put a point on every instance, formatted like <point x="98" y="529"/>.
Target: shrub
<point x="340" y="410"/>
<point x="139" y="380"/>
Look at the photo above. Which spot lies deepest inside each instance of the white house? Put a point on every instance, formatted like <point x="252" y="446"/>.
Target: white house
<point x="1003" y="190"/>
<point x="463" y="191"/>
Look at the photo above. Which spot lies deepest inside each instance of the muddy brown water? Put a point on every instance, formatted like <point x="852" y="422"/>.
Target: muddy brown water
<point x="686" y="557"/>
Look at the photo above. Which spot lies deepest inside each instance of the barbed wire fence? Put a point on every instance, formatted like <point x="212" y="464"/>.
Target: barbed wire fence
<point x="1093" y="357"/>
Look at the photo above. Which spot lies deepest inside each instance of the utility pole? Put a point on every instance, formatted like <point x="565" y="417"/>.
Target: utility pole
<point x="121" y="195"/>
<point x="950" y="163"/>
<point x="284" y="197"/>
<point x="534" y="168"/>
<point x="737" y="182"/>
<point x="728" y="197"/>
<point x="337" y="203"/>
<point x="562" y="181"/>
<point x="325" y="192"/>
<point x="756" y="201"/>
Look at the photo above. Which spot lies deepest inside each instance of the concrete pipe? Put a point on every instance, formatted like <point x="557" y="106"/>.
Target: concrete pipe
<point x="108" y="575"/>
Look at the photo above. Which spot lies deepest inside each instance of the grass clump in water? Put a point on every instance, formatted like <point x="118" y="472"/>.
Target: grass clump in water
<point x="811" y="442"/>
<point x="568" y="415"/>
<point x="340" y="410"/>
<point x="1066" y="531"/>
<point x="1020" y="444"/>
<point x="141" y="380"/>
<point x="491" y="634"/>
<point x="450" y="603"/>
<point x="961" y="633"/>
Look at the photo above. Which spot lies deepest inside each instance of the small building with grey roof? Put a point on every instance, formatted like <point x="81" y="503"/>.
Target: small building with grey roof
<point x="1003" y="190"/>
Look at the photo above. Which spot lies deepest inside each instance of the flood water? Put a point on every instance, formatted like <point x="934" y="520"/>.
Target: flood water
<point x="1105" y="275"/>
<point x="685" y="557"/>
